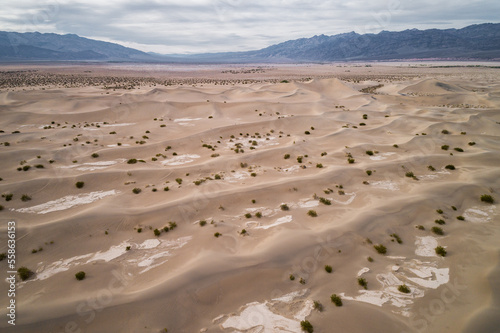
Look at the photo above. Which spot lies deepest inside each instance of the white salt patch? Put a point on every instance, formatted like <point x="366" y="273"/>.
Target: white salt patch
<point x="113" y="253"/>
<point x="45" y="271"/>
<point x="291" y="296"/>
<point x="385" y="185"/>
<point x="149" y="244"/>
<point x="425" y="246"/>
<point x="349" y="201"/>
<point x="235" y="176"/>
<point x="122" y="145"/>
<point x="179" y="120"/>
<point x="67" y="202"/>
<point x="476" y="215"/>
<point x="281" y="220"/>
<point x="181" y="159"/>
<point x="381" y="156"/>
<point x="92" y="165"/>
<point x="363" y="271"/>
<point x="430" y="277"/>
<point x="116" y="125"/>
<point x="396" y="257"/>
<point x="306" y="203"/>
<point x="292" y="169"/>
<point x="258" y="317"/>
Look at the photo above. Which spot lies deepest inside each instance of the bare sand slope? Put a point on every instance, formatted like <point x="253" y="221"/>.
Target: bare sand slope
<point x="216" y="208"/>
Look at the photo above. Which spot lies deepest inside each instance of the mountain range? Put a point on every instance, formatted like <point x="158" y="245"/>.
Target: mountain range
<point x="475" y="42"/>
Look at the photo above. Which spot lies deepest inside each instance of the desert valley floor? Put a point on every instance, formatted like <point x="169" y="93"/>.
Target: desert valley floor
<point x="241" y="198"/>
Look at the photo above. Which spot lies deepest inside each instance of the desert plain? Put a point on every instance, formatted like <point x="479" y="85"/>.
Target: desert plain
<point x="240" y="198"/>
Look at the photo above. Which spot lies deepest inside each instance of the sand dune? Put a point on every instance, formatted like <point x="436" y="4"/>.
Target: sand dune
<point x="215" y="205"/>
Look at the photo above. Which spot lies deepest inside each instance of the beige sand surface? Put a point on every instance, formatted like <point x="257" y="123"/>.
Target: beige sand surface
<point x="233" y="144"/>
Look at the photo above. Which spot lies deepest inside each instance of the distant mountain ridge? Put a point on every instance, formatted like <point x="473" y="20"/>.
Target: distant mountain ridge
<point x="475" y="42"/>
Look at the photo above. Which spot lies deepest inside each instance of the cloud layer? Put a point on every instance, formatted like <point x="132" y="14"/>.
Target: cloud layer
<point x="195" y="26"/>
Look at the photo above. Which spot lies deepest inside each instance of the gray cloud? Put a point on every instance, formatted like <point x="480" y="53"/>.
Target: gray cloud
<point x="193" y="26"/>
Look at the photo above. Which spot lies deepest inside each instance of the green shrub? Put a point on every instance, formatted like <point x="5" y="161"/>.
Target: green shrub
<point x="243" y="232"/>
<point x="362" y="282"/>
<point x="299" y="159"/>
<point x="136" y="190"/>
<point x="95" y="155"/>
<point x="325" y="201"/>
<point x="380" y="248"/>
<point x="254" y="201"/>
<point x="445" y="147"/>
<point x="397" y="238"/>
<point x="370" y="259"/>
<point x="336" y="300"/>
<point x="248" y="215"/>
<point x="166" y="189"/>
<point x="172" y="225"/>
<point x="420" y="227"/>
<point x="350" y="160"/>
<point x="460" y="150"/>
<point x="460" y="218"/>
<point x="395" y="146"/>
<point x="39" y="166"/>
<point x="312" y="213"/>
<point x="302" y="281"/>
<point x="24" y="273"/>
<point x="26" y="167"/>
<point x="217" y="234"/>
<point x="3" y="256"/>
<point x="202" y="223"/>
<point x="431" y="168"/>
<point x="307" y="132"/>
<point x="439" y="211"/>
<point x="287" y="156"/>
<point x="253" y="174"/>
<point x="487" y="198"/>
<point x="365" y="116"/>
<point x="369" y="152"/>
<point x="258" y="215"/>
<point x="132" y="161"/>
<point x="157" y="232"/>
<point x="292" y="277"/>
<point x="79" y="184"/>
<point x="409" y="174"/>
<point x="317" y="306"/>
<point x="328" y="268"/>
<point x="472" y="143"/>
<point x="284" y="207"/>
<point x="1" y="208"/>
<point x="440" y="222"/>
<point x="80" y="275"/>
<point x="441" y="251"/>
<point x="404" y="289"/>
<point x="319" y="165"/>
<point x="445" y="131"/>
<point x="453" y="207"/>
<point x="8" y="196"/>
<point x="437" y="231"/>
<point x="139" y="230"/>
<point x="217" y="176"/>
<point x="369" y="172"/>
<point x="178" y="180"/>
<point x="25" y="198"/>
<point x="306" y="326"/>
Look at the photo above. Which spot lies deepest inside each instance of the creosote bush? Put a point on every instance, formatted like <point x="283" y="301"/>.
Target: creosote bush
<point x="284" y="207"/>
<point x="248" y="215"/>
<point x="95" y="155"/>
<point x="79" y="184"/>
<point x="132" y="161"/>
<point x="292" y="277"/>
<point x="157" y="232"/>
<point x="179" y="181"/>
<point x="217" y="234"/>
<point x="437" y="231"/>
<point x="80" y="275"/>
<point x="306" y="326"/>
<point x="404" y="289"/>
<point x="460" y="218"/>
<point x="336" y="300"/>
<point x="380" y="248"/>
<point x="487" y="198"/>
<point x="328" y="268"/>
<point x="441" y="251"/>
<point x="440" y="221"/>
<point x="24" y="273"/>
<point x="312" y="213"/>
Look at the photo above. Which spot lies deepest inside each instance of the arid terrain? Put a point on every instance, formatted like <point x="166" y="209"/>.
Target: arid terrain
<point x="242" y="198"/>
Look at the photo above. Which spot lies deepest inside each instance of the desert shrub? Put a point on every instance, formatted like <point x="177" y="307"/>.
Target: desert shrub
<point x="217" y="176"/>
<point x="292" y="277"/>
<point x="302" y="281"/>
<point x="445" y="131"/>
<point x="157" y="232"/>
<point x="132" y="161"/>
<point x="324" y="153"/>
<point x="95" y="155"/>
<point x="217" y="234"/>
<point x="453" y="207"/>
<point x="312" y="213"/>
<point x="178" y="180"/>
<point x="136" y="190"/>
<point x="317" y="306"/>
<point x="39" y="166"/>
<point x="441" y="251"/>
<point x="24" y="273"/>
<point x="325" y="201"/>
<point x="369" y="152"/>
<point x="450" y="167"/>
<point x="172" y="225"/>
<point x="420" y="227"/>
<point x="287" y="156"/>
<point x="380" y="248"/>
<point x="128" y="248"/>
<point x="307" y="132"/>
<point x="440" y="222"/>
<point x="306" y="326"/>
<point x="79" y="184"/>
<point x="395" y="146"/>
<point x="370" y="259"/>
<point x="166" y="189"/>
<point x="26" y="167"/>
<point x="460" y="218"/>
<point x="253" y="174"/>
<point x="3" y="255"/>
<point x="369" y="172"/>
<point x="299" y="159"/>
<point x="258" y="215"/>
<point x="248" y="215"/>
<point x="243" y="231"/>
<point x="404" y="289"/>
<point x="284" y="207"/>
<point x="397" y="238"/>
<point x="362" y="282"/>
<point x="202" y="223"/>
<point x="365" y="116"/>
<point x="350" y="160"/>
<point x="445" y="147"/>
<point x="1" y="208"/>
<point x="460" y="150"/>
<point x="328" y="268"/>
<point x="319" y="165"/>
<point x="8" y="196"/>
<point x="472" y="143"/>
<point x="80" y="275"/>
<point x="254" y="201"/>
<point x="25" y="197"/>
<point x="139" y="230"/>
<point x="362" y="124"/>
<point x="437" y="231"/>
<point x="439" y="211"/>
<point x="431" y="168"/>
<point x="487" y="198"/>
<point x="409" y="174"/>
<point x="336" y="300"/>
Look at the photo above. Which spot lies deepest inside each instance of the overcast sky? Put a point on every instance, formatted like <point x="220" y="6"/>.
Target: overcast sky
<point x="195" y="26"/>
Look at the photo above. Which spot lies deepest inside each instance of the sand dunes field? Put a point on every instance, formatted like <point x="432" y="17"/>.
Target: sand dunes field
<point x="253" y="186"/>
